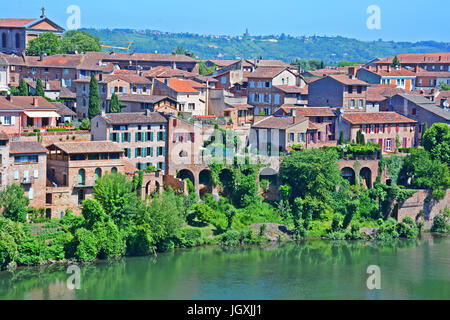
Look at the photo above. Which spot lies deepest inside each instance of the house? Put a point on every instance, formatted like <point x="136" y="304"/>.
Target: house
<point x="342" y="91"/>
<point x="190" y="95"/>
<point x="378" y="94"/>
<point x="66" y="115"/>
<point x="19" y="114"/>
<point x="431" y="79"/>
<point x="4" y="159"/>
<point x="443" y="99"/>
<point x="282" y="133"/>
<point x="27" y="166"/>
<point x="262" y="90"/>
<point x="239" y="114"/>
<point x="322" y="117"/>
<point x="16" y="33"/>
<point x="399" y="77"/>
<point x="418" y="108"/>
<point x="430" y="61"/>
<point x="144" y="61"/>
<point x="383" y="128"/>
<point x="73" y="168"/>
<point x="142" y="102"/>
<point x="141" y="135"/>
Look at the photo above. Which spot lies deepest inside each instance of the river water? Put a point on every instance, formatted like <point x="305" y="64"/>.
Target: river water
<point x="312" y="269"/>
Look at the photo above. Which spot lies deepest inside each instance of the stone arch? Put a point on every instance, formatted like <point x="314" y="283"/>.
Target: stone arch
<point x="271" y="175"/>
<point x="226" y="178"/>
<point x="151" y="186"/>
<point x="97" y="174"/>
<point x="186" y="174"/>
<point x="366" y="177"/>
<point x="348" y="174"/>
<point x="205" y="182"/>
<point x="81" y="176"/>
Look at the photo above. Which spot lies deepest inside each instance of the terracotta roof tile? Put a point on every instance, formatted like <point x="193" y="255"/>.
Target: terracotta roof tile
<point x="15" y="23"/>
<point x="134" y="118"/>
<point x="292" y="89"/>
<point x="345" y="79"/>
<point x="274" y="122"/>
<point x="88" y="147"/>
<point x="376" y="117"/>
<point x="266" y="72"/>
<point x="26" y="103"/>
<point x="18" y="147"/>
<point x="307" y="111"/>
<point x="181" y="86"/>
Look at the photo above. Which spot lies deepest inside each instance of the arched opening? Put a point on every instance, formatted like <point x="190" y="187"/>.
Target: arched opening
<point x="81" y="176"/>
<point x="48" y="213"/>
<point x="151" y="187"/>
<point x="98" y="173"/>
<point x="227" y="179"/>
<point x="114" y="170"/>
<point x="348" y="174"/>
<point x="17" y="40"/>
<point x="366" y="177"/>
<point x="4" y="42"/>
<point x="186" y="174"/>
<point x="80" y="196"/>
<point x="268" y="181"/>
<point x="205" y="182"/>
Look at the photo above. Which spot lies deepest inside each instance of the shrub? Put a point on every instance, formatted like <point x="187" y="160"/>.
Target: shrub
<point x="188" y="237"/>
<point x="230" y="238"/>
<point x="109" y="240"/>
<point x="441" y="222"/>
<point x="31" y="251"/>
<point x="86" y="245"/>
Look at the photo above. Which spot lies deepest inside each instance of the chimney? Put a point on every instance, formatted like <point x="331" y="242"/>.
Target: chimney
<point x="389" y="68"/>
<point x="35" y="102"/>
<point x="294" y="115"/>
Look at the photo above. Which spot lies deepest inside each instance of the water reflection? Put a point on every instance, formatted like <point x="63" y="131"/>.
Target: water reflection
<point x="313" y="269"/>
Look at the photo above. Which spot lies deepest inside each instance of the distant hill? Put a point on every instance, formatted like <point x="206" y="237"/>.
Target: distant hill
<point x="331" y="50"/>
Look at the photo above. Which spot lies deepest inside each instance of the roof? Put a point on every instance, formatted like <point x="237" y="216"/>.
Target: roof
<point x="274" y="122"/>
<point x="26" y="103"/>
<point x="376" y="117"/>
<point x="66" y="61"/>
<point x="63" y="110"/>
<point x="165" y="72"/>
<point x="380" y="92"/>
<point x="3" y="136"/>
<point x="292" y="89"/>
<point x="307" y="111"/>
<point x="392" y="73"/>
<point x="269" y="63"/>
<point x="53" y="85"/>
<point x="134" y="118"/>
<point x="123" y="56"/>
<point x="266" y="72"/>
<point x="24" y="147"/>
<point x="181" y="86"/>
<point x="145" y="98"/>
<point x="426" y="104"/>
<point x="66" y="93"/>
<point x="222" y="63"/>
<point x="15" y="23"/>
<point x="345" y="79"/>
<point x="429" y="57"/>
<point x="88" y="147"/>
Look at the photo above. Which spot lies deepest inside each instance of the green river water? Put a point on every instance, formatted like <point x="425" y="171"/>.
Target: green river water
<point x="312" y="269"/>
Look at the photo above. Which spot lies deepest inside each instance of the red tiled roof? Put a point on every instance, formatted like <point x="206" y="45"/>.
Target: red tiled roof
<point x="88" y="147"/>
<point x="273" y="122"/>
<point x="430" y="57"/>
<point x="68" y="61"/>
<point x="379" y="92"/>
<point x="123" y="56"/>
<point x="394" y="72"/>
<point x="181" y="86"/>
<point x="26" y="103"/>
<point x="165" y="72"/>
<point x="15" y="23"/>
<point x="345" y="79"/>
<point x="292" y="89"/>
<point x="307" y="111"/>
<point x="266" y="72"/>
<point x="376" y="117"/>
<point x="17" y="147"/>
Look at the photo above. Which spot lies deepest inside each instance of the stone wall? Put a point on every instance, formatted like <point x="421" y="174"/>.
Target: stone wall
<point x="49" y="138"/>
<point x="412" y="206"/>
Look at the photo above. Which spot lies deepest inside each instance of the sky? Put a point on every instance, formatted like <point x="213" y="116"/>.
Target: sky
<point x="399" y="20"/>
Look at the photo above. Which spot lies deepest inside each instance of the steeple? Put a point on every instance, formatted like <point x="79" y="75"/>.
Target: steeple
<point x="43" y="13"/>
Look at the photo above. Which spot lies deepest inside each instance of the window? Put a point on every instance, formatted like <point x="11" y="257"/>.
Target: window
<point x="223" y="80"/>
<point x="97" y="174"/>
<point x="80" y="196"/>
<point x="259" y="84"/>
<point x="113" y="170"/>
<point x="350" y="89"/>
<point x="26" y="159"/>
<point x="291" y="137"/>
<point x="388" y="144"/>
<point x="31" y="194"/>
<point x="301" y="137"/>
<point x="372" y="128"/>
<point x="359" y="89"/>
<point x="191" y="106"/>
<point x="81" y="177"/>
<point x="277" y="99"/>
<point x="4" y="41"/>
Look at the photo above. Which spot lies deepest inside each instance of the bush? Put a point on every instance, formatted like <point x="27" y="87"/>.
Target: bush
<point x="203" y="212"/>
<point x="31" y="251"/>
<point x="85" y="124"/>
<point x="188" y="237"/>
<point x="11" y="236"/>
<point x="230" y="238"/>
<point x="86" y="245"/>
<point x="441" y="222"/>
<point x="109" y="240"/>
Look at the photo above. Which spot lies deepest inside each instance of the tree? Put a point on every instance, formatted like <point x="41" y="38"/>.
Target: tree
<point x="14" y="203"/>
<point x="23" y="88"/>
<point x="39" y="88"/>
<point x="93" y="213"/>
<point x="94" y="98"/>
<point x="115" y="105"/>
<point x="395" y="62"/>
<point x="341" y="138"/>
<point x="80" y="41"/>
<point x="48" y="43"/>
<point x="230" y="212"/>
<point x="203" y="69"/>
<point x="360" y="138"/>
<point x="203" y="212"/>
<point x="424" y="129"/>
<point x="311" y="172"/>
<point x="436" y="141"/>
<point x="85" y="124"/>
<point x="115" y="194"/>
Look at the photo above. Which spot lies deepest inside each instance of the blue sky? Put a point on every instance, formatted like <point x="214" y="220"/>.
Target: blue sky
<point x="401" y="20"/>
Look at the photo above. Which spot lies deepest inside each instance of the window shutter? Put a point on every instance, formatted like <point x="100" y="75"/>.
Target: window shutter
<point x="151" y="151"/>
<point x="192" y="136"/>
<point x="31" y="194"/>
<point x="174" y="122"/>
<point x="136" y="152"/>
<point x="164" y="136"/>
<point x="136" y="137"/>
<point x="13" y="120"/>
<point x="123" y="136"/>
<point x="151" y="136"/>
<point x="16" y="175"/>
<point x="111" y="137"/>
<point x="164" y="166"/>
<point x="164" y="151"/>
<point x="129" y="152"/>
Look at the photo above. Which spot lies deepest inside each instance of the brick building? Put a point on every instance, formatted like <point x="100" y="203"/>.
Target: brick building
<point x="382" y="128"/>
<point x="73" y="168"/>
<point x="342" y="91"/>
<point x="398" y="77"/>
<point x="141" y="135"/>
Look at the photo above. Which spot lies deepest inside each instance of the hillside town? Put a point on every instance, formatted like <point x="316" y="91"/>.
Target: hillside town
<point x="157" y="114"/>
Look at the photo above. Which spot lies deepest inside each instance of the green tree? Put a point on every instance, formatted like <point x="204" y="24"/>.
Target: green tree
<point x="203" y="212"/>
<point x="115" y="105"/>
<point x="341" y="138"/>
<point x="311" y="172"/>
<point x="230" y="212"/>
<point x="115" y="194"/>
<point x="23" y="88"/>
<point x="395" y="62"/>
<point x="94" y="98"/>
<point x="93" y="213"/>
<point x="203" y="69"/>
<point x="48" y="43"/>
<point x="424" y="129"/>
<point x="85" y="124"/>
<point x="39" y="88"/>
<point x="436" y="141"/>
<point x="11" y="237"/>
<point x="14" y="203"/>
<point x="80" y="41"/>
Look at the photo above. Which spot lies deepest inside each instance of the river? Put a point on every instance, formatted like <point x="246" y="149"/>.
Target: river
<point x="311" y="269"/>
